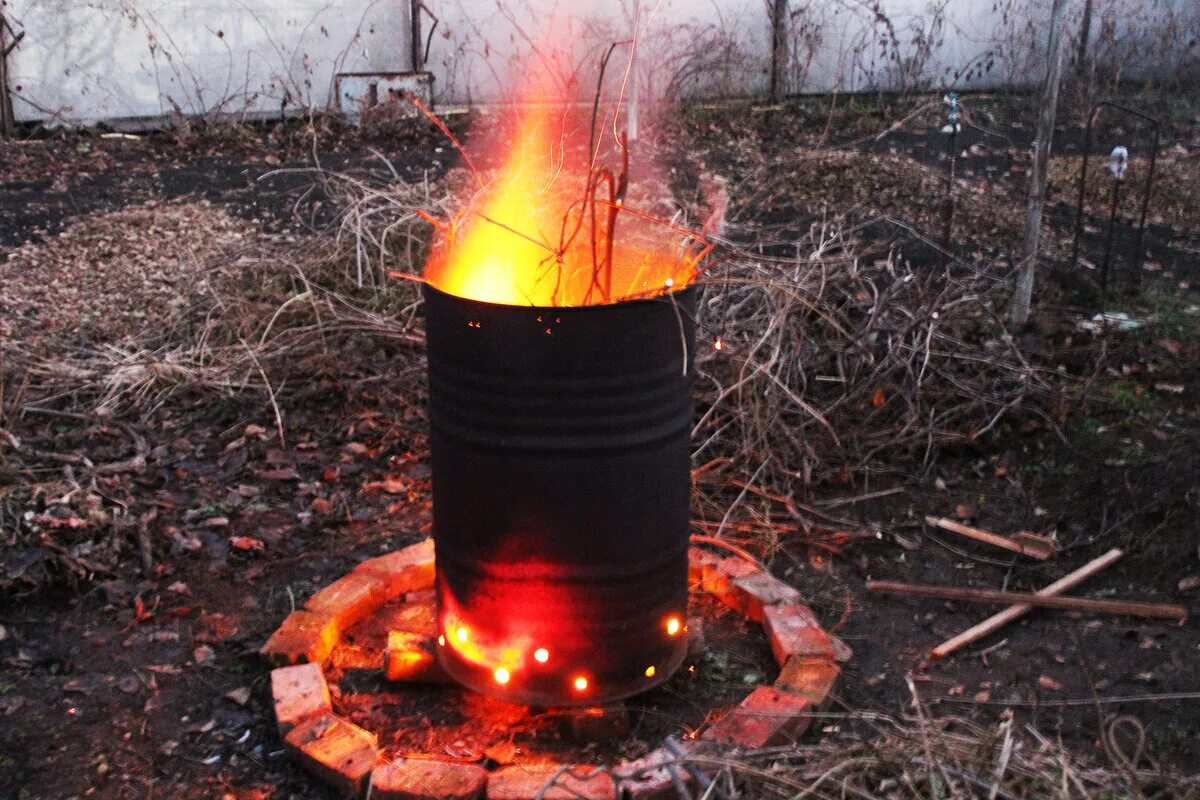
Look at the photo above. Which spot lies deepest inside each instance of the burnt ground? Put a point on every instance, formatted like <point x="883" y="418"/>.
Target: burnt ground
<point x="143" y="680"/>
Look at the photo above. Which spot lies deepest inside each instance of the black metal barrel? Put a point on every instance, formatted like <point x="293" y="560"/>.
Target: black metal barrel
<point x="560" y="454"/>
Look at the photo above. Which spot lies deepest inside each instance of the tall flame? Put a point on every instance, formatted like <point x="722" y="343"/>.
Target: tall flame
<point x="549" y="230"/>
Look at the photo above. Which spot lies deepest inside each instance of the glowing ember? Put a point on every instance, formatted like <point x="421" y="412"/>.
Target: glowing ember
<point x="581" y="684"/>
<point x="541" y="655"/>
<point x="673" y="626"/>
<point x="650" y="670"/>
<point x="502" y="675"/>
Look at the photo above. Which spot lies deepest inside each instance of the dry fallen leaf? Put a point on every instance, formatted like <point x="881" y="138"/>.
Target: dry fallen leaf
<point x="247" y="543"/>
<point x="240" y="695"/>
<point x="1046" y="682"/>
<point x="284" y="474"/>
<point x="391" y="484"/>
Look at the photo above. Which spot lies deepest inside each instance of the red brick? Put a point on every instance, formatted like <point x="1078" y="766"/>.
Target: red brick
<point x="750" y="593"/>
<point x="766" y="717"/>
<point x="411" y="658"/>
<point x="525" y="782"/>
<point x="649" y="777"/>
<point x="304" y="636"/>
<point x="411" y="616"/>
<point x="793" y="630"/>
<point x="338" y="752"/>
<point x="350" y="599"/>
<point x="407" y="570"/>
<point x="426" y="779"/>
<point x="300" y="693"/>
<point x="718" y="579"/>
<point x="348" y="656"/>
<point x="810" y="678"/>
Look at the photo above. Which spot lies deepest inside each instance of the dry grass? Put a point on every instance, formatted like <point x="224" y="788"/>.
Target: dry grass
<point x="116" y="275"/>
<point x="838" y="366"/>
<point x="123" y="311"/>
<point x="144" y="316"/>
<point x="877" y="757"/>
<point x="834" y="364"/>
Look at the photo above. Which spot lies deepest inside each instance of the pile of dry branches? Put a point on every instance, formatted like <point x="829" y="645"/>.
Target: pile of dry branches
<point x="837" y="363"/>
<point x="843" y="361"/>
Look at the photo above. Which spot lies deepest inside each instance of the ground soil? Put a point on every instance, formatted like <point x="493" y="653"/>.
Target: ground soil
<point x="145" y="682"/>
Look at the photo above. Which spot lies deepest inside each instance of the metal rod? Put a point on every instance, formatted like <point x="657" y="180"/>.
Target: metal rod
<point x="1141" y="234"/>
<point x="1108" y="241"/>
<point x="948" y="221"/>
<point x="952" y="128"/>
<point x="1082" y="195"/>
<point x="1150" y="174"/>
<point x="415" y="34"/>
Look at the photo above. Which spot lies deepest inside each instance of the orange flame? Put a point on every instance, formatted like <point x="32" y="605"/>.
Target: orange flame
<point x="552" y="228"/>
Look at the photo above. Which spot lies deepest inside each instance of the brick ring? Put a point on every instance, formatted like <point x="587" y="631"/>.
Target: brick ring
<point x="347" y="756"/>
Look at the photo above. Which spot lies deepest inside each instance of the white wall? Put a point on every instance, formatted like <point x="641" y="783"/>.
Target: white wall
<point x="88" y="60"/>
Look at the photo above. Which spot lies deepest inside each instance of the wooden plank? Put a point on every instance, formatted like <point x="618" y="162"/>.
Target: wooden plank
<point x="1025" y="543"/>
<point x="1124" y="607"/>
<point x="998" y="621"/>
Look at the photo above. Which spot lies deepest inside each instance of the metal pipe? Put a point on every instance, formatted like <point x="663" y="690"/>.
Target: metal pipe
<point x="414" y="22"/>
<point x="1082" y="194"/>
<point x="952" y="128"/>
<point x="1112" y="224"/>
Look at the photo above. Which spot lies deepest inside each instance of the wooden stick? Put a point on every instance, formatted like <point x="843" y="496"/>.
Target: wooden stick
<point x="1125" y="607"/>
<point x="1027" y="544"/>
<point x="998" y="621"/>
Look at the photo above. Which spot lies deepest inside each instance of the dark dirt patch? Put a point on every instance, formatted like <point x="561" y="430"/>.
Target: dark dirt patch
<point x="1048" y="667"/>
<point x="145" y="661"/>
<point x="265" y="175"/>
